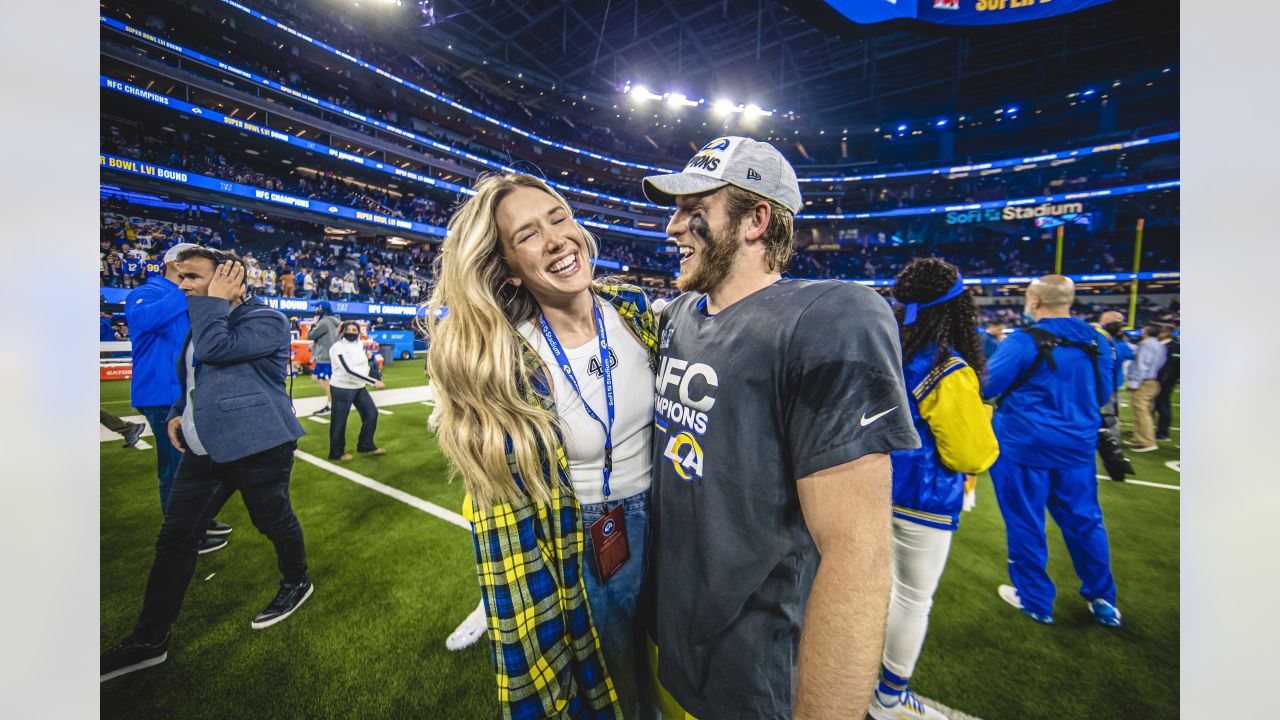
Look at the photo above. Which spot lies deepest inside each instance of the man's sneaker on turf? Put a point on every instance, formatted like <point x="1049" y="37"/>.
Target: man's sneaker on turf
<point x="908" y="707"/>
<point x="133" y="434"/>
<point x="1163" y="437"/>
<point x="131" y="655"/>
<point x="472" y="629"/>
<point x="1148" y="448"/>
<point x="210" y="544"/>
<point x="1009" y="594"/>
<point x="1105" y="613"/>
<point x="322" y="411"/>
<point x="217" y="528"/>
<point x="290" y="598"/>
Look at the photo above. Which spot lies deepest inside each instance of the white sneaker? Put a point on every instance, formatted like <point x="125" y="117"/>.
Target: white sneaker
<point x="908" y="707"/>
<point x="1148" y="448"/>
<point x="471" y="630"/>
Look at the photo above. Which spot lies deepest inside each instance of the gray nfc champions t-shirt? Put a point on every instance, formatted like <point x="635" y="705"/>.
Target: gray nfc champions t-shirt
<point x="791" y="380"/>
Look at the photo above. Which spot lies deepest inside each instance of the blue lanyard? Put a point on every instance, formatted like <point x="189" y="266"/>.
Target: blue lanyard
<point x="567" y="369"/>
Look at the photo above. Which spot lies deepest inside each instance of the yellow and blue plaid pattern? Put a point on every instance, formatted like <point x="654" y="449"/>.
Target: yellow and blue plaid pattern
<point x="546" y="651"/>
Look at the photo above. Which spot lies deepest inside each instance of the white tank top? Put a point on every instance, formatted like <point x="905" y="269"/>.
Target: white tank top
<point x="584" y="437"/>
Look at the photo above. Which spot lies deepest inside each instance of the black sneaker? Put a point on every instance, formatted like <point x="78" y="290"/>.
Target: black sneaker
<point x="133" y="434"/>
<point x="131" y="655"/>
<point x="217" y="528"/>
<point x="290" y="597"/>
<point x="322" y="411"/>
<point x="210" y="544"/>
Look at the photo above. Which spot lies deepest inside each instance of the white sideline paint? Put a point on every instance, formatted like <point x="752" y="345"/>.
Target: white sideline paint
<point x="411" y="500"/>
<point x="949" y="712"/>
<point x="454" y="518"/>
<point x="1174" y="465"/>
<point x="385" y="412"/>
<point x="318" y="418"/>
<point x="1128" y="481"/>
<point x="304" y="407"/>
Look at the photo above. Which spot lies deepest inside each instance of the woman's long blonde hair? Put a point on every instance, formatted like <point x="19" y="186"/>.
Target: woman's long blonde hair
<point x="475" y="354"/>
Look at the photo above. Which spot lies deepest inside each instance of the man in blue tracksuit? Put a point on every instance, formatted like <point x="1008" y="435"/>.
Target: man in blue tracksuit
<point x="1050" y="382"/>
<point x="157" y="317"/>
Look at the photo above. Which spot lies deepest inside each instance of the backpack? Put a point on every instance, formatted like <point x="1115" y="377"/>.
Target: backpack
<point x="1045" y="343"/>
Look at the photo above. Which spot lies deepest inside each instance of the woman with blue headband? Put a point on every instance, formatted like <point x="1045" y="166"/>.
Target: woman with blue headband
<point x="942" y="359"/>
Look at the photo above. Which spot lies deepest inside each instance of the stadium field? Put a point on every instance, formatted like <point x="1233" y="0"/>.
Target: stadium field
<point x="392" y="581"/>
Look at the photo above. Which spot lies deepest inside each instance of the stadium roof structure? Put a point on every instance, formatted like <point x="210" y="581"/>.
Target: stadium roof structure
<point x="787" y="55"/>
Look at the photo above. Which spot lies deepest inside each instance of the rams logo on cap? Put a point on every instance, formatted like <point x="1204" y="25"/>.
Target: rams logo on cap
<point x="717" y="145"/>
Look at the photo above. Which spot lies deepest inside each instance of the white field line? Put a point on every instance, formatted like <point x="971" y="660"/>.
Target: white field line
<point x="454" y="518"/>
<point x="951" y="713"/>
<point x="1128" y="481"/>
<point x="448" y="516"/>
<point x="1174" y="465"/>
<point x="304" y="407"/>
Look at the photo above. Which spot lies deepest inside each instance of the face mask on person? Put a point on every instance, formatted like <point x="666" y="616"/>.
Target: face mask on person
<point x="351" y="337"/>
<point x="1114" y="329"/>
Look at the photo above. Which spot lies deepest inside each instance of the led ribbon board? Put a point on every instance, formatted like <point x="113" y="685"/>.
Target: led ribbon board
<point x="358" y="117"/>
<point x="956" y="12"/>
<point x="494" y="165"/>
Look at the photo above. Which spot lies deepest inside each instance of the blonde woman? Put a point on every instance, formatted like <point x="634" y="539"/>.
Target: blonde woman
<point x="544" y="389"/>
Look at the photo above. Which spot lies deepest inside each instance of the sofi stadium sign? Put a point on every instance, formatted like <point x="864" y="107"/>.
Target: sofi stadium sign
<point x="1014" y="212"/>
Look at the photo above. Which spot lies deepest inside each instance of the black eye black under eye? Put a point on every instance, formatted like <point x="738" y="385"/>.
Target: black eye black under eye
<point x="698" y="225"/>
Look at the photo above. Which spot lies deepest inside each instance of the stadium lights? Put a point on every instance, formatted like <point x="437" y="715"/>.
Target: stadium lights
<point x="941" y="123"/>
<point x="753" y="111"/>
<point x="902" y="128"/>
<point x="678" y="100"/>
<point x="724" y="107"/>
<point x="641" y="94"/>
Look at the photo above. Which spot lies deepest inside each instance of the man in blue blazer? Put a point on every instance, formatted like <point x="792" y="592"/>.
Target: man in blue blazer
<point x="236" y="428"/>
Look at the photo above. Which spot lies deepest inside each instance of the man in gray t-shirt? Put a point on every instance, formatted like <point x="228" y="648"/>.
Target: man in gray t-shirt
<point x="777" y="404"/>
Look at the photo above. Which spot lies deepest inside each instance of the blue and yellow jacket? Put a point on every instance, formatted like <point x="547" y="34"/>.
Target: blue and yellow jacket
<point x="956" y="439"/>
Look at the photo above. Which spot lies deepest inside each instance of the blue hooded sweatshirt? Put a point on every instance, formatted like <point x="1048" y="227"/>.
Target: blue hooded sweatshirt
<point x="157" y="316"/>
<point x="1052" y="420"/>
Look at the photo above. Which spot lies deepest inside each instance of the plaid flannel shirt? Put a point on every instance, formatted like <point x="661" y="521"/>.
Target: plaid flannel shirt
<point x="529" y="559"/>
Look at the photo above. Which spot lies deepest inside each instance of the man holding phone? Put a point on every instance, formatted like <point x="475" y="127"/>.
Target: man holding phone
<point x="235" y="426"/>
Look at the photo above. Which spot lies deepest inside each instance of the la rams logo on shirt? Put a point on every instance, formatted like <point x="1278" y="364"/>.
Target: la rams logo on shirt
<point x="685" y="455"/>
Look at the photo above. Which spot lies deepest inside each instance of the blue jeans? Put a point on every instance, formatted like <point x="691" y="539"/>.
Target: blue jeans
<point x="613" y="604"/>
<point x="167" y="456"/>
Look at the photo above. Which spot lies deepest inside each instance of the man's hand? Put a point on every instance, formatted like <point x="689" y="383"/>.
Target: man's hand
<point x="379" y="384"/>
<point x="228" y="281"/>
<point x="174" y="426"/>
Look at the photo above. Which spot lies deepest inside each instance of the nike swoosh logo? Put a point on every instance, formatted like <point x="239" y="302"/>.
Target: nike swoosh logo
<point x="868" y="420"/>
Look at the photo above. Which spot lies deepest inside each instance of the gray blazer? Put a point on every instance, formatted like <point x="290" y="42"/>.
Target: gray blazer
<point x="242" y="359"/>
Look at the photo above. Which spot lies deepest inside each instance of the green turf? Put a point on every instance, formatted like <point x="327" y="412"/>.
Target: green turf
<point x="392" y="582"/>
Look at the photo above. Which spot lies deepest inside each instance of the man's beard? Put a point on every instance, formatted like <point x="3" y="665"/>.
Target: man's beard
<point x="715" y="258"/>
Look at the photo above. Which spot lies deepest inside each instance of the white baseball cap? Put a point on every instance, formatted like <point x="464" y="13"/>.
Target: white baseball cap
<point x="752" y="165"/>
<point x="172" y="254"/>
